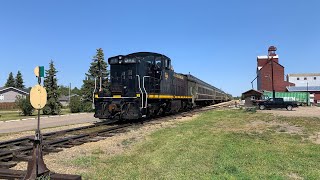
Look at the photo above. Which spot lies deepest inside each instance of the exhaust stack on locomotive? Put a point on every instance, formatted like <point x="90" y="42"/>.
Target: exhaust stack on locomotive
<point x="145" y="85"/>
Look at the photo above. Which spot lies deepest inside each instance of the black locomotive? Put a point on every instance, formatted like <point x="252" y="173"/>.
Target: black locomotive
<point x="144" y="84"/>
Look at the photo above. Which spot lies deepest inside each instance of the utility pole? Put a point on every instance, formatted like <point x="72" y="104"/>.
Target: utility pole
<point x="271" y="53"/>
<point x="308" y="94"/>
<point x="69" y="93"/>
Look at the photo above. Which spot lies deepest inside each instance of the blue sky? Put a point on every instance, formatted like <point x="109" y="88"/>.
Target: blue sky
<point x="217" y="41"/>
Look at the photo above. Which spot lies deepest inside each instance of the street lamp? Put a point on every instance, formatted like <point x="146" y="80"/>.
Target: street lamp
<point x="271" y="53"/>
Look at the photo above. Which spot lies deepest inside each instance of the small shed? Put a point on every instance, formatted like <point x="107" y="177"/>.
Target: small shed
<point x="251" y="96"/>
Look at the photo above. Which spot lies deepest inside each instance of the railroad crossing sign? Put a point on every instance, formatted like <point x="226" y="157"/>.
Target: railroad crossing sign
<point x="38" y="97"/>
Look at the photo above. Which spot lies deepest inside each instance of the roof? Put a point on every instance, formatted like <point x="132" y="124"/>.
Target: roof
<point x="140" y="54"/>
<point x="66" y="98"/>
<point x="253" y="90"/>
<point x="23" y="91"/>
<point x="266" y="57"/>
<point x="261" y="67"/>
<point x="197" y="80"/>
<point x="303" y="88"/>
<point x="304" y="74"/>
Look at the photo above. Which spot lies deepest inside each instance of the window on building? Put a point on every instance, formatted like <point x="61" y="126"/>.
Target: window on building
<point x="1" y="97"/>
<point x="314" y="78"/>
<point x="305" y="78"/>
<point x="298" y="78"/>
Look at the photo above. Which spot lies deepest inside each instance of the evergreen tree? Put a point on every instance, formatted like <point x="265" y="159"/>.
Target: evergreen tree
<point x="10" y="81"/>
<point x="53" y="105"/>
<point x="76" y="91"/>
<point x="97" y="69"/>
<point x="19" y="81"/>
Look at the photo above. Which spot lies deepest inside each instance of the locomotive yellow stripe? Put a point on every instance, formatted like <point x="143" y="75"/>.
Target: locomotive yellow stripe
<point x="156" y="96"/>
<point x="116" y="96"/>
<point x="153" y="96"/>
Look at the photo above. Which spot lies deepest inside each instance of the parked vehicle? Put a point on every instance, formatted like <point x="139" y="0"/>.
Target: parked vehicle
<point x="277" y="103"/>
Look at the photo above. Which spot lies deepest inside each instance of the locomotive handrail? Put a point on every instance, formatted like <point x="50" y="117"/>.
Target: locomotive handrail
<point x="145" y="89"/>
<point x="140" y="90"/>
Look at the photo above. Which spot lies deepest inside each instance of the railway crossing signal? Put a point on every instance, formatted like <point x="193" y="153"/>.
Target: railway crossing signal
<point x="38" y="98"/>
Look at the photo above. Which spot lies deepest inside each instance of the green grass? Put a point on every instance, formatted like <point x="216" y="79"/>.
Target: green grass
<point x="216" y="145"/>
<point x="14" y="115"/>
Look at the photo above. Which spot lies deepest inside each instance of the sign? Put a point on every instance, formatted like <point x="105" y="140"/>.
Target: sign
<point x="39" y="71"/>
<point x="38" y="97"/>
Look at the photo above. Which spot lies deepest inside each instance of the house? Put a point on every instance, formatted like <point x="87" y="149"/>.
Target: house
<point x="64" y="100"/>
<point x="8" y="96"/>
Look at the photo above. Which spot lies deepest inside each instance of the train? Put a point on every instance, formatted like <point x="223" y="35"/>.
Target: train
<point x="144" y="84"/>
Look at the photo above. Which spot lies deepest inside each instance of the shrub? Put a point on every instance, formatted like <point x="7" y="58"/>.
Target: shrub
<point x="24" y="105"/>
<point x="46" y="110"/>
<point x="86" y="106"/>
<point x="52" y="107"/>
<point x="75" y="104"/>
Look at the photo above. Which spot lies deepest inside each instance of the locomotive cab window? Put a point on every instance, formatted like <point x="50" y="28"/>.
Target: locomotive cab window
<point x="167" y="63"/>
<point x="158" y="62"/>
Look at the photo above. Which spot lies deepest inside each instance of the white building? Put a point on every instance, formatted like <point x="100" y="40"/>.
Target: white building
<point x="308" y="79"/>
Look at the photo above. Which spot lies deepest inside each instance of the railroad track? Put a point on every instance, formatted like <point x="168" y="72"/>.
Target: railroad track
<point x="19" y="150"/>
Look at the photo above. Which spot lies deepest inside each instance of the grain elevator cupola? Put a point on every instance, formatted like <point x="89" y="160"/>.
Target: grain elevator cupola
<point x="272" y="51"/>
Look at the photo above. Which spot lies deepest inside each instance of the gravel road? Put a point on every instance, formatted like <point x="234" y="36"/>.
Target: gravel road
<point x="46" y="122"/>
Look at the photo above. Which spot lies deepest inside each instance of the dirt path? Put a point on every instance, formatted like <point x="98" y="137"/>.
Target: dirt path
<point x="296" y="112"/>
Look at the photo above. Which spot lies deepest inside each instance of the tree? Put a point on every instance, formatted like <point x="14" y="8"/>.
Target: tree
<point x="10" y="81"/>
<point x="75" y="104"/>
<point x="64" y="90"/>
<point x="24" y="105"/>
<point x="97" y="69"/>
<point x="53" y="106"/>
<point x="19" y="81"/>
<point x="76" y="91"/>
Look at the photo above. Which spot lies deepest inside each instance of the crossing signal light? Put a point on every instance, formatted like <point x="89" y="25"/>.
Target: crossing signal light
<point x="39" y="71"/>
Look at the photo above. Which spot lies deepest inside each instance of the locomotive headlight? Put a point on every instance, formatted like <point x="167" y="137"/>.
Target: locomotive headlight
<point x="114" y="61"/>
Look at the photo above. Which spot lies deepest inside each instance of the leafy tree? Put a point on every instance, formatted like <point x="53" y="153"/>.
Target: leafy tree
<point x="10" y="81"/>
<point x="24" y="105"/>
<point x="97" y="69"/>
<point x="19" y="81"/>
<point x="53" y="106"/>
